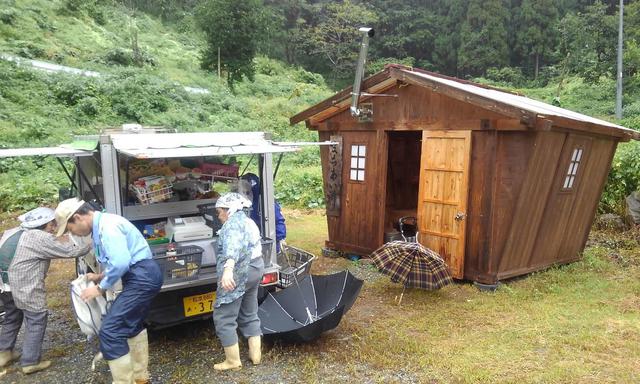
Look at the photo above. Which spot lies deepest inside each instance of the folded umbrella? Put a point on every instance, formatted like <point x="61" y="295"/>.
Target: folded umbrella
<point x="306" y="309"/>
<point x="412" y="265"/>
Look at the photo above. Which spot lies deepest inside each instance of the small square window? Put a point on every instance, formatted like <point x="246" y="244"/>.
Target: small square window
<point x="358" y="162"/>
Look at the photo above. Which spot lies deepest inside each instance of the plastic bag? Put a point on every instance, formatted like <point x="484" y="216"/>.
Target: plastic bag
<point x="89" y="315"/>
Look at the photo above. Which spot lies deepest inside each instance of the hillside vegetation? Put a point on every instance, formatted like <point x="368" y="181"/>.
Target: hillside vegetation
<point x="40" y="108"/>
<point x="146" y="61"/>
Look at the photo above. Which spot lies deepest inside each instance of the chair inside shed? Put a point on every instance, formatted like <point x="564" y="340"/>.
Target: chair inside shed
<point x="403" y="177"/>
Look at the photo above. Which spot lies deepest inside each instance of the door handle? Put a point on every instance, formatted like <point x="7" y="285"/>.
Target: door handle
<point x="459" y="216"/>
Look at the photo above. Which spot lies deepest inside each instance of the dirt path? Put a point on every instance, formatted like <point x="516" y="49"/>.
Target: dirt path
<point x="186" y="354"/>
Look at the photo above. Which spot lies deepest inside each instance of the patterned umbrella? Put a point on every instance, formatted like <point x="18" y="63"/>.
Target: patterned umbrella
<point x="412" y="265"/>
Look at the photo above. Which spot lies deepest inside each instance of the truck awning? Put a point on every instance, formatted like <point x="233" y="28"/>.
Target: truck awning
<point x="44" y="151"/>
<point x="168" y="145"/>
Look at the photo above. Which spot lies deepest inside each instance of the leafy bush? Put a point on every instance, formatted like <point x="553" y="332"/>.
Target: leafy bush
<point x="507" y="75"/>
<point x="8" y="16"/>
<point x="126" y="57"/>
<point x="268" y="66"/>
<point x="302" y="188"/>
<point x="303" y="76"/>
<point x="26" y="184"/>
<point x="623" y="179"/>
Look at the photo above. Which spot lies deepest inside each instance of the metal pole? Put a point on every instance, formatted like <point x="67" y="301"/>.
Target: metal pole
<point x="619" y="77"/>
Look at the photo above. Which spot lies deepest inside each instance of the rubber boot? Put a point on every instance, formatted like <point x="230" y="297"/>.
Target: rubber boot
<point x="121" y="370"/>
<point x="255" y="352"/>
<point x="139" y="350"/>
<point x="7" y="357"/>
<point x="232" y="359"/>
<point x="27" y="369"/>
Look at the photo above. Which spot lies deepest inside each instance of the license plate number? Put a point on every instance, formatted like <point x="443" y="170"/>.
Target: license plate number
<point x="198" y="304"/>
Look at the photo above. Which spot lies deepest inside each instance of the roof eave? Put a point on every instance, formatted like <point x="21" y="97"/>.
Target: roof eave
<point x="344" y="94"/>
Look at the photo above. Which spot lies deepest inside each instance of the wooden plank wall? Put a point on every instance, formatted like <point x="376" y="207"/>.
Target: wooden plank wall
<point x="415" y="105"/>
<point x="532" y="200"/>
<point x="359" y="227"/>
<point x="595" y="174"/>
<point x="550" y="225"/>
<point x="479" y="213"/>
<point x="499" y="163"/>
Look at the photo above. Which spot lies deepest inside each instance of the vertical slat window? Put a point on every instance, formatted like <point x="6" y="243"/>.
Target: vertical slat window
<point x="574" y="164"/>
<point x="358" y="156"/>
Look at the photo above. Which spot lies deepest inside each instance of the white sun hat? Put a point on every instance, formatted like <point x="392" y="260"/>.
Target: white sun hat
<point x="36" y="217"/>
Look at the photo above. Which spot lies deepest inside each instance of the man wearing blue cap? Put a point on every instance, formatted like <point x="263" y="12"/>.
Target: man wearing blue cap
<point x="28" y="250"/>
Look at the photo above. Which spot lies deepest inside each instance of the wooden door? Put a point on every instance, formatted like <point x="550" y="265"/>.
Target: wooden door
<point x="442" y="201"/>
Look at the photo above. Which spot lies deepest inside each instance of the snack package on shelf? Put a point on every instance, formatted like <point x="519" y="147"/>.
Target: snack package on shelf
<point x="152" y="189"/>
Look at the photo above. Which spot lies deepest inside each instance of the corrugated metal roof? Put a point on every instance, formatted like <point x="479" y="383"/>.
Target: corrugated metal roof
<point x="46" y="151"/>
<point x="169" y="145"/>
<point x="515" y="100"/>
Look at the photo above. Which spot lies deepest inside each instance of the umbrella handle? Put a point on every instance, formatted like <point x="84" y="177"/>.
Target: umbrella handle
<point x="402" y="294"/>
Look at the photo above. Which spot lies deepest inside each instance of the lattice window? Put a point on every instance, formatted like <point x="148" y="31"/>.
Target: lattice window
<point x="358" y="154"/>
<point x="570" y="179"/>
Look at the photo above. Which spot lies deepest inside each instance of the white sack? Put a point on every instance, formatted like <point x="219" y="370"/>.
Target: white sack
<point x="89" y="315"/>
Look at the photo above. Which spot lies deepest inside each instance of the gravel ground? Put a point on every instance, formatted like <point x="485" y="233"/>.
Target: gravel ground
<point x="186" y="353"/>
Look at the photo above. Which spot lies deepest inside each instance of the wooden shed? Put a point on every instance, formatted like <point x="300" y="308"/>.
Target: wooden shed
<point x="501" y="185"/>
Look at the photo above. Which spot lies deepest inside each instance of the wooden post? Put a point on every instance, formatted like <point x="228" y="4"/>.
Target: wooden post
<point x="218" y="62"/>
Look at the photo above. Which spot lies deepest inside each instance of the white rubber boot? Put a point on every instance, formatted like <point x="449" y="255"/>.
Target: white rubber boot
<point x="7" y="357"/>
<point x="139" y="350"/>
<point x="232" y="359"/>
<point x="121" y="370"/>
<point x="255" y="351"/>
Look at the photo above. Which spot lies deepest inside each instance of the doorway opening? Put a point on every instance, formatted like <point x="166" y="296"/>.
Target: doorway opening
<point x="403" y="179"/>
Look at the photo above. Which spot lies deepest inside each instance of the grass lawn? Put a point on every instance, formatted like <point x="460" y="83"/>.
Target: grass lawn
<point x="577" y="323"/>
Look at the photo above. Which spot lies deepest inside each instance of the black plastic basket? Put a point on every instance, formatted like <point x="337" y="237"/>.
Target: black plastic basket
<point x="295" y="264"/>
<point x="182" y="266"/>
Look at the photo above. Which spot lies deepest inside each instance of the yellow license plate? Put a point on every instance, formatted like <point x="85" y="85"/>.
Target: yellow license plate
<point x="198" y="304"/>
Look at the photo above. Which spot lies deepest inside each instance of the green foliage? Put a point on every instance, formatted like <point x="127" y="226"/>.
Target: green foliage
<point x="302" y="188"/>
<point x="235" y="28"/>
<point x="8" y="16"/>
<point x="407" y="31"/>
<point x="335" y="38"/>
<point x="127" y="57"/>
<point x="509" y="76"/>
<point x="588" y="42"/>
<point x="26" y="184"/>
<point x="484" y="37"/>
<point x="537" y="34"/>
<point x="623" y="178"/>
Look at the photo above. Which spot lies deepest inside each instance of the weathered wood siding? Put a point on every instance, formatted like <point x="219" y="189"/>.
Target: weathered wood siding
<point x="359" y="227"/>
<point x="498" y="170"/>
<point x="520" y="218"/>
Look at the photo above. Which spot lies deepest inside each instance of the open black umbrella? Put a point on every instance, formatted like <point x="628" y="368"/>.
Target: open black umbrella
<point x="306" y="309"/>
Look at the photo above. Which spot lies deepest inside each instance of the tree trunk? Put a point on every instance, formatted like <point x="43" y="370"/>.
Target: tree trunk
<point x="535" y="76"/>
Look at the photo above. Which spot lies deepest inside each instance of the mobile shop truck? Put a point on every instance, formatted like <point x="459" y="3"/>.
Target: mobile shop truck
<point x="165" y="184"/>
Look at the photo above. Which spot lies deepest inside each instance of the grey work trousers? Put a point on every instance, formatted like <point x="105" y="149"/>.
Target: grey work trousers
<point x="35" y="325"/>
<point x="241" y="313"/>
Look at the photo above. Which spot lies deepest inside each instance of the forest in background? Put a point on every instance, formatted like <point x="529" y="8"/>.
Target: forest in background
<point x="279" y="57"/>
